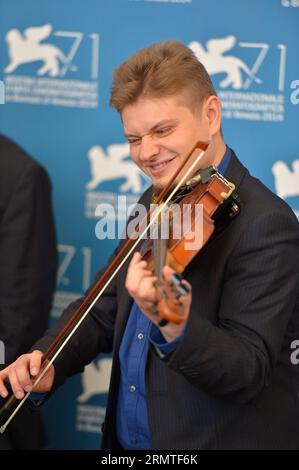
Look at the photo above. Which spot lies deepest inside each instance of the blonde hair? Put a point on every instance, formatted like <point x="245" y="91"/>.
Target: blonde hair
<point x="162" y="69"/>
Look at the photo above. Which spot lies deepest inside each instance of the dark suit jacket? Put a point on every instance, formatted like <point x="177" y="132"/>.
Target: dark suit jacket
<point x="230" y="384"/>
<point x="27" y="265"/>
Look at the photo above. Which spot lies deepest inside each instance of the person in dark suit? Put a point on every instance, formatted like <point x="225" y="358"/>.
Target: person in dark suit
<point x="27" y="270"/>
<point x="223" y="378"/>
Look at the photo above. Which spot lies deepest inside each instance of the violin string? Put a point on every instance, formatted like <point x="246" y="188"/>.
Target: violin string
<point x="69" y="336"/>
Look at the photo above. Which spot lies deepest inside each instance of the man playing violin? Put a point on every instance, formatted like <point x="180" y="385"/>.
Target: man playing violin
<point x="223" y="378"/>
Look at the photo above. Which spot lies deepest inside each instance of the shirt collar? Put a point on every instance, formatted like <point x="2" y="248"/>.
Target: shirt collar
<point x="222" y="167"/>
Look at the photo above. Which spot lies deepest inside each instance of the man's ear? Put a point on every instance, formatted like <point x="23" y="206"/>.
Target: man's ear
<point x="212" y="110"/>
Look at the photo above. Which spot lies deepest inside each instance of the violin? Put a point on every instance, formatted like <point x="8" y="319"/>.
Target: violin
<point x="200" y="202"/>
<point x="207" y="189"/>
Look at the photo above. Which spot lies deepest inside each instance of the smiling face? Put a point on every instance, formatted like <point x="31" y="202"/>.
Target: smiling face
<point x="162" y="131"/>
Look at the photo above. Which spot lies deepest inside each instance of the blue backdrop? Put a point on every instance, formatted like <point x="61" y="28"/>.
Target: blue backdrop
<point x="56" y="62"/>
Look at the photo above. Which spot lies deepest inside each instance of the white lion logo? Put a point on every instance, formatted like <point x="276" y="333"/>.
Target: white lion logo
<point x="215" y="62"/>
<point x="95" y="379"/>
<point x="286" y="181"/>
<point x="111" y="165"/>
<point x="28" y="48"/>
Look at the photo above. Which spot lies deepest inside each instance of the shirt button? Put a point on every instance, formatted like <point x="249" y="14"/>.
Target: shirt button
<point x="132" y="388"/>
<point x="134" y="441"/>
<point x="140" y="336"/>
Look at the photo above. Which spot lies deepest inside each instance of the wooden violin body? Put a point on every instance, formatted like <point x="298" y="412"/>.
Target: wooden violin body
<point x="189" y="223"/>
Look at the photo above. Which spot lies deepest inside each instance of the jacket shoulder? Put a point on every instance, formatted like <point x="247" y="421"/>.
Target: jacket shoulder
<point x="16" y="164"/>
<point x="257" y="200"/>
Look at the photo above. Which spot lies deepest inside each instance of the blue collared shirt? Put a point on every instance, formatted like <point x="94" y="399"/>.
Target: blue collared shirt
<point x="132" y="417"/>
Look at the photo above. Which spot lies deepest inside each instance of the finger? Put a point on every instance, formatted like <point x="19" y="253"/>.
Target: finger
<point x="187" y="284"/>
<point x="136" y="258"/>
<point x="138" y="283"/>
<point x="167" y="273"/>
<point x="147" y="289"/>
<point x="147" y="306"/>
<point x="35" y="362"/>
<point x="180" y="287"/>
<point x="138" y="268"/>
<point x="15" y="385"/>
<point x="3" y="389"/>
<point x="21" y="369"/>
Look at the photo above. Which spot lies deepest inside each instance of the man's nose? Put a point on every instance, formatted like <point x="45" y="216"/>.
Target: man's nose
<point x="148" y="148"/>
